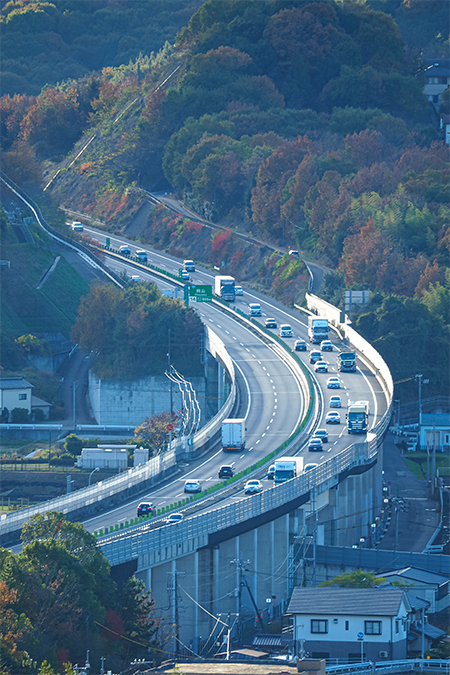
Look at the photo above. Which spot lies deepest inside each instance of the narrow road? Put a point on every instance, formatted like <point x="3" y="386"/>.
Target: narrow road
<point x="75" y="370"/>
<point x="418" y="515"/>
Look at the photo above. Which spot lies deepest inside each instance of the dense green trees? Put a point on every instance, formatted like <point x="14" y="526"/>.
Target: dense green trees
<point x="57" y="599"/>
<point x="128" y="331"/>
<point x="45" y="43"/>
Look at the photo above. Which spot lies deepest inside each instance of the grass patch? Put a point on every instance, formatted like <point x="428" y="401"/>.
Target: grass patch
<point x="64" y="289"/>
<point x="417" y="463"/>
<point x="27" y="310"/>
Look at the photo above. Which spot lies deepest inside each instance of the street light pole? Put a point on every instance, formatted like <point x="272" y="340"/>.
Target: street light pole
<point x="90" y="475"/>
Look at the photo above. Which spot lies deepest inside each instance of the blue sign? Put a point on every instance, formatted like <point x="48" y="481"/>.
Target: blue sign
<point x="360" y="636"/>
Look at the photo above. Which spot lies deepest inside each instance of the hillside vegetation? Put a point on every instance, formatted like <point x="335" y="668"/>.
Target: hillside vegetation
<point x="131" y="332"/>
<point x="25" y="309"/>
<point x="303" y="123"/>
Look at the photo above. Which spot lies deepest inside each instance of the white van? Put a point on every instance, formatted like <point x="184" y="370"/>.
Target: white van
<point x="77" y="226"/>
<point x="255" y="309"/>
<point x="189" y="265"/>
<point x="142" y="255"/>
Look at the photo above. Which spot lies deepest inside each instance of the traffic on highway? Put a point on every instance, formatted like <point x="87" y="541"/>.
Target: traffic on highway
<point x="272" y="400"/>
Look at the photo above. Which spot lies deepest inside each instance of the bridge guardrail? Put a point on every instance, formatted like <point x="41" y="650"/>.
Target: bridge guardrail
<point x="106" y="489"/>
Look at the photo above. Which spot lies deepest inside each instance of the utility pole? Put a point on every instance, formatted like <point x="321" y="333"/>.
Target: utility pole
<point x="177" y="621"/>
<point x="419" y="377"/>
<point x="169" y="369"/>
<point x="433" y="464"/>
<point x="313" y="506"/>
<point x="74" y="388"/>
<point x="240" y="566"/>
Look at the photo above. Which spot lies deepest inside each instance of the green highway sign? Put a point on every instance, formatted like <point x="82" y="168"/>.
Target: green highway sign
<point x="108" y="242"/>
<point x="200" y="293"/>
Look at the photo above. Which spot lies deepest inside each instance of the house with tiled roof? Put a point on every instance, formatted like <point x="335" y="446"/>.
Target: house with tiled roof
<point x="437" y="78"/>
<point x="352" y="624"/>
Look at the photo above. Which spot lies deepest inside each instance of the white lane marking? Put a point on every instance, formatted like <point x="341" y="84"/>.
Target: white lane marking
<point x="218" y="325"/>
<point x="262" y="435"/>
<point x="257" y="442"/>
<point x="264" y="367"/>
<point x="275" y="407"/>
<point x="254" y="356"/>
<point x="242" y="457"/>
<point x="270" y="421"/>
<point x="234" y="338"/>
<point x="227" y="332"/>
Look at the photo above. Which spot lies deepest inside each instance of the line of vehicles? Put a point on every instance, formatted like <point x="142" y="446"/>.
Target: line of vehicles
<point x="233" y="430"/>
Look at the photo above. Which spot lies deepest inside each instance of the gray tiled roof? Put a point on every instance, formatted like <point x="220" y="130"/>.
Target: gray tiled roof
<point x="417" y="603"/>
<point x="348" y="601"/>
<point x="14" y="383"/>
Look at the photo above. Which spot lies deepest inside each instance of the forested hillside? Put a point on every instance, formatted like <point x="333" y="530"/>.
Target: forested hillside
<point x="300" y="122"/>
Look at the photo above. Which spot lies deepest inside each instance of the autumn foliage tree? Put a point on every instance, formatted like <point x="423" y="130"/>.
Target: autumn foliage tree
<point x="128" y="331"/>
<point x="58" y="586"/>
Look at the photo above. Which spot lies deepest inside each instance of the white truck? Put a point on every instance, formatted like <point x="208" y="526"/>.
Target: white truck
<point x="233" y="435"/>
<point x="224" y="287"/>
<point x="287" y="468"/>
<point x="317" y="329"/>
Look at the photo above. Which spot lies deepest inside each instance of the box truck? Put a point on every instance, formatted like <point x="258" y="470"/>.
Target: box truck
<point x="287" y="468"/>
<point x="233" y="435"/>
<point x="224" y="287"/>
<point x="317" y="329"/>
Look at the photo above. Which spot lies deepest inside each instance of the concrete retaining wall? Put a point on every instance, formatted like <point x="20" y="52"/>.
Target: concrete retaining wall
<point x="131" y="401"/>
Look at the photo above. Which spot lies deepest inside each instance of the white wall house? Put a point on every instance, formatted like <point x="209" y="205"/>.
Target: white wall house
<point x="15" y="392"/>
<point x="435" y="431"/>
<point x="437" y="76"/>
<point x="351" y="624"/>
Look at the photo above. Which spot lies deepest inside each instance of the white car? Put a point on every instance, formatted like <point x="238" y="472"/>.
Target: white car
<point x="174" y="518"/>
<point x="252" y="487"/>
<point x="321" y="367"/>
<point x="285" y="330"/>
<point x="310" y="466"/>
<point x="333" y="383"/>
<point x="185" y="276"/>
<point x="333" y="417"/>
<point x="335" y="402"/>
<point x="192" y="486"/>
<point x="238" y="290"/>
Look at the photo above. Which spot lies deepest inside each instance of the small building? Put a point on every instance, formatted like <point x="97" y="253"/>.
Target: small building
<point x="445" y="128"/>
<point x="351" y="624"/>
<point x="40" y="404"/>
<point x="435" y="431"/>
<point x="437" y="75"/>
<point x="105" y="457"/>
<point x="15" y="392"/>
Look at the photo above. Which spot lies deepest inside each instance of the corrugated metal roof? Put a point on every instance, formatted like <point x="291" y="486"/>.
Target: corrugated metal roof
<point x="348" y="601"/>
<point x="430" y="631"/>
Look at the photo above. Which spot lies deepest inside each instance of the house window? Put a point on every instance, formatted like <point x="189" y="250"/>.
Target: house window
<point x="319" y="626"/>
<point x="22" y="397"/>
<point x="372" y="627"/>
<point x="397" y="625"/>
<point x="347" y="625"/>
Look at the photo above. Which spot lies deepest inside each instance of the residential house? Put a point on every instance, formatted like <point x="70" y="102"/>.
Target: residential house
<point x="437" y="75"/>
<point x="351" y="624"/>
<point x="15" y="392"/>
<point x="421" y="639"/>
<point x="430" y="586"/>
